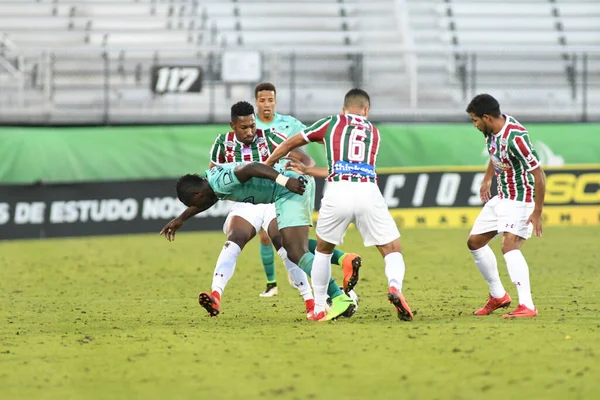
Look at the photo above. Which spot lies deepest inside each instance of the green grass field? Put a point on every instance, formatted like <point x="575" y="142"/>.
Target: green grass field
<point x="117" y="318"/>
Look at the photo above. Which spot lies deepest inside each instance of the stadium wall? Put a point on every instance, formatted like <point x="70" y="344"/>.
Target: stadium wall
<point x="95" y="181"/>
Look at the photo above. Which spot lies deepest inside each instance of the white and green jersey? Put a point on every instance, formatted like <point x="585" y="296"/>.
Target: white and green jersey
<point x="227" y="149"/>
<point x="351" y="146"/>
<point x="284" y="124"/>
<point x="513" y="158"/>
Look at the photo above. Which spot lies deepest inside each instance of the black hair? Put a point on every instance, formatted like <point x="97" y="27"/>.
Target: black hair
<point x="268" y="86"/>
<point x="241" y="109"/>
<point x="187" y="187"/>
<point x="484" y="104"/>
<point x="357" y="97"/>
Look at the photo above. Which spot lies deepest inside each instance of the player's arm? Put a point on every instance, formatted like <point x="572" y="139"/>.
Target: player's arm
<point x="251" y="170"/>
<point x="299" y="167"/>
<point x="521" y="148"/>
<point x="284" y="148"/>
<point x="485" y="192"/>
<point x="175" y="224"/>
<point x="540" y="194"/>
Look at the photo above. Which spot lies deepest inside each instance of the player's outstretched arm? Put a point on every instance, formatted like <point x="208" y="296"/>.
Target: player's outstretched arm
<point x="300" y="168"/>
<point x="251" y="170"/>
<point x="540" y="194"/>
<point x="284" y="148"/>
<point x="175" y="224"/>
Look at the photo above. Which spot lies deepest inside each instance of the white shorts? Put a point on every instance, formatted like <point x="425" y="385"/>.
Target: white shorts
<point x="258" y="215"/>
<point x="504" y="215"/>
<point x="359" y="203"/>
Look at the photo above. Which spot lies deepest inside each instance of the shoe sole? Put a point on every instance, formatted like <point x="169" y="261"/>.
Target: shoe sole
<point x="349" y="311"/>
<point x="404" y="312"/>
<point x="511" y="316"/>
<point x="206" y="302"/>
<point x="353" y="280"/>
<point x="505" y="305"/>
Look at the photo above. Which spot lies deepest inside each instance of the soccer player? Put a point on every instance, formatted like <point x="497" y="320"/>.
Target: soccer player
<point x="515" y="212"/>
<point x="256" y="183"/>
<point x="265" y="97"/>
<point x="351" y="144"/>
<point x="247" y="143"/>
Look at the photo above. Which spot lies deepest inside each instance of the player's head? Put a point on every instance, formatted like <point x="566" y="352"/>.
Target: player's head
<point x="358" y="102"/>
<point x="484" y="111"/>
<point x="265" y="97"/>
<point x="191" y="189"/>
<point x="243" y="122"/>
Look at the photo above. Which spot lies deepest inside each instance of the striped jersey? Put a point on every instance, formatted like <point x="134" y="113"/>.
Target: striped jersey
<point x="284" y="124"/>
<point x="351" y="146"/>
<point x="227" y="149"/>
<point x="513" y="158"/>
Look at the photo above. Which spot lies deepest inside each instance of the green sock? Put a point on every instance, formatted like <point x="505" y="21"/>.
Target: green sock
<point x="333" y="290"/>
<point x="268" y="260"/>
<point x="337" y="256"/>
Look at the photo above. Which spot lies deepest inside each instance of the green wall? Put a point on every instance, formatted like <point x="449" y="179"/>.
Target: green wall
<point x="111" y="153"/>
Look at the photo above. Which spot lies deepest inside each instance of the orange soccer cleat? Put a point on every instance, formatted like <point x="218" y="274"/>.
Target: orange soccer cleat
<point x="350" y="265"/>
<point x="493" y="304"/>
<point x="210" y="302"/>
<point x="521" y="312"/>
<point x="402" y="308"/>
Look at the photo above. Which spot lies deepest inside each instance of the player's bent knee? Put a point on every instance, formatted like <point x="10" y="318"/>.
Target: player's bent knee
<point x="264" y="238"/>
<point x="511" y="242"/>
<point x="240" y="238"/>
<point x="391" y="247"/>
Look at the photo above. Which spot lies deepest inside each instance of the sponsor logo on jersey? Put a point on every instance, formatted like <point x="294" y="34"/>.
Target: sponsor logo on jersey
<point x="246" y="151"/>
<point x="263" y="151"/>
<point x="362" y="169"/>
<point x="530" y="158"/>
<point x="229" y="143"/>
<point x="260" y="140"/>
<point x="499" y="166"/>
<point x="503" y="142"/>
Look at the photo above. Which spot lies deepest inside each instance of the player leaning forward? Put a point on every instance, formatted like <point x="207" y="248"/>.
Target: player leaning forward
<point x="352" y="196"/>
<point x="515" y="212"/>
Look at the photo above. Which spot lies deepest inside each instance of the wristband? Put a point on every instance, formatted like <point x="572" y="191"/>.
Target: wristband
<point x="282" y="180"/>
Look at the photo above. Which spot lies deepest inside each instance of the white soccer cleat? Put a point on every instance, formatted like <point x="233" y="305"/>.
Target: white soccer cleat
<point x="270" y="291"/>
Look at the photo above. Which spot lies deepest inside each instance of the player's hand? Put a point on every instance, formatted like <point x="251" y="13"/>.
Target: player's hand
<point x="297" y="186"/>
<point x="296" y="165"/>
<point x="536" y="220"/>
<point x="485" y="192"/>
<point x="170" y="229"/>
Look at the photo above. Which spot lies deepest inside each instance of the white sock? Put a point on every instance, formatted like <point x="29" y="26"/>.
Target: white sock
<point x="394" y="270"/>
<point x="321" y="274"/>
<point x="519" y="274"/>
<point x="488" y="266"/>
<point x="225" y="266"/>
<point x="298" y="276"/>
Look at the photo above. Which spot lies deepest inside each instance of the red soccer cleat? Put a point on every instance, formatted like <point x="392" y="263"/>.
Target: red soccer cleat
<point x="311" y="316"/>
<point x="493" y="304"/>
<point x="210" y="302"/>
<point x="521" y="312"/>
<point x="402" y="308"/>
<point x="350" y="265"/>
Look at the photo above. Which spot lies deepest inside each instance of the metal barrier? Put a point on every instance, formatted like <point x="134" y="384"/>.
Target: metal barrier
<point x="107" y="85"/>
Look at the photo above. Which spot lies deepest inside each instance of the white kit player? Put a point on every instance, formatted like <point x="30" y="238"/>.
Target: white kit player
<point x="515" y="212"/>
<point x="351" y="144"/>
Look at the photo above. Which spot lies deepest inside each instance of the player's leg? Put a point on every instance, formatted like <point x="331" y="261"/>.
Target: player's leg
<point x="294" y="217"/>
<point x="377" y="227"/>
<point x="295" y="241"/>
<point x="240" y="229"/>
<point x="485" y="229"/>
<point x="297" y="276"/>
<point x="267" y="257"/>
<point x="512" y="222"/>
<point x="338" y="256"/>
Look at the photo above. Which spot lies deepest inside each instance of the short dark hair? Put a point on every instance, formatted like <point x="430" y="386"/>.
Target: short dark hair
<point x="357" y="97"/>
<point x="264" y="86"/>
<point x="187" y="186"/>
<point x="484" y="104"/>
<point x="241" y="109"/>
